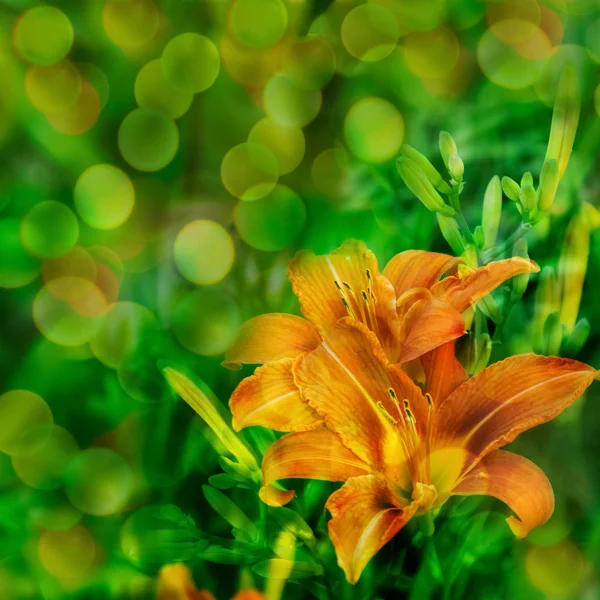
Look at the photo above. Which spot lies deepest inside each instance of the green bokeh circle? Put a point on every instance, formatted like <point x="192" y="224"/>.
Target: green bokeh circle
<point x="50" y="229"/>
<point x="43" y="35"/>
<point x="148" y="139"/>
<point x="273" y="222"/>
<point x="191" y="62"/>
<point x="17" y="266"/>
<point x="258" y="23"/>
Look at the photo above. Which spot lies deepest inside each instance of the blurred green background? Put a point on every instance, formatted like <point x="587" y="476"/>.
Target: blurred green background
<point x="161" y="162"/>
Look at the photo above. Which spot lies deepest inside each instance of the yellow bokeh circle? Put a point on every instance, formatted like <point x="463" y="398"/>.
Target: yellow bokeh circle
<point x="258" y="23"/>
<point x="249" y="171"/>
<point x="431" y="54"/>
<point x="374" y="130"/>
<point x="99" y="482"/>
<point x="286" y="143"/>
<point x="67" y="554"/>
<point x="153" y="90"/>
<point x="290" y="105"/>
<point x="555" y="570"/>
<point x="44" y="468"/>
<point x="55" y="88"/>
<point x="71" y="276"/>
<point x="514" y="21"/>
<point x="370" y="32"/>
<point x="80" y="117"/>
<point x="43" y="35"/>
<point x="130" y="24"/>
<point x="191" y="62"/>
<point x="203" y="252"/>
<point x="104" y="196"/>
<point x="59" y="322"/>
<point x="309" y="63"/>
<point x="25" y="422"/>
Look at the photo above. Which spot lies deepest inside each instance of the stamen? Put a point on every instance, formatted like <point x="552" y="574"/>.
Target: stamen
<point x="345" y="302"/>
<point x="429" y="401"/>
<point x="428" y="437"/>
<point x="369" y="312"/>
<point x="386" y="413"/>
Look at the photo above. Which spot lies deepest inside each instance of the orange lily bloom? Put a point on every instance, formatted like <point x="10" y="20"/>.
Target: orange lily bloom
<point x="403" y="451"/>
<point x="409" y="310"/>
<point x="175" y="583"/>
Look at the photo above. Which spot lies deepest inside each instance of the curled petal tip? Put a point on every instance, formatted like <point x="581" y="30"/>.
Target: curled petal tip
<point x="270" y="495"/>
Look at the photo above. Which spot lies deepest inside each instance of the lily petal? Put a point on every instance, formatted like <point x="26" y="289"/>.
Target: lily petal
<point x="318" y="454"/>
<point x="347" y="381"/>
<point x="417" y="268"/>
<point x="427" y="325"/>
<point x="271" y="398"/>
<point x="517" y="482"/>
<point x="249" y="595"/>
<point x="271" y="337"/>
<point x="463" y="292"/>
<point x="363" y="293"/>
<point x="175" y="583"/>
<point x="505" y="399"/>
<point x="443" y="372"/>
<point x="365" y="518"/>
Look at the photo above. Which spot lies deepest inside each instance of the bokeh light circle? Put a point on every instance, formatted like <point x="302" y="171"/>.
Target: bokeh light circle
<point x="130" y="24"/>
<point x="54" y="88"/>
<point x="370" y="32"/>
<point x="55" y="514"/>
<point x="191" y="62"/>
<point x="120" y="332"/>
<point x="50" y="229"/>
<point x="80" y="117"/>
<point x="203" y="252"/>
<point x="273" y="222"/>
<point x="17" y="266"/>
<point x="25" y="422"/>
<point x="374" y="130"/>
<point x="60" y="322"/>
<point x="206" y="321"/>
<point x="71" y="276"/>
<point x="44" y="468"/>
<point x="555" y="570"/>
<point x="431" y="54"/>
<point x="43" y="35"/>
<point x="504" y="66"/>
<point x="98" y="482"/>
<point x="67" y="554"/>
<point x="286" y="143"/>
<point x="97" y="78"/>
<point x="290" y="105"/>
<point x="249" y="171"/>
<point x="330" y="173"/>
<point x="104" y="196"/>
<point x="258" y="23"/>
<point x="148" y="139"/>
<point x="153" y="90"/>
<point x="514" y="21"/>
<point x="309" y="63"/>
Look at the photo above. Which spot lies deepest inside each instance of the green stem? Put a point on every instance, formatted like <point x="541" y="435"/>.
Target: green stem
<point x="453" y="196"/>
<point x="520" y="231"/>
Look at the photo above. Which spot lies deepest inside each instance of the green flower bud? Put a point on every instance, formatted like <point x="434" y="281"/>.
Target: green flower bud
<point x="548" y="184"/>
<point x="511" y="188"/>
<point x="527" y="179"/>
<point x="489" y="307"/>
<point x="483" y="351"/>
<point x="479" y="236"/>
<point x="547" y="300"/>
<point x="519" y="283"/>
<point x="492" y="211"/>
<point x="430" y="171"/>
<point x="578" y="337"/>
<point x="565" y="119"/>
<point x="447" y="146"/>
<point x="553" y="334"/>
<point x="451" y="232"/>
<point x="456" y="167"/>
<point x="528" y="198"/>
<point x="421" y="187"/>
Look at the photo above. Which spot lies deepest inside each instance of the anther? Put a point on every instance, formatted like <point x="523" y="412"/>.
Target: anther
<point x="386" y="413"/>
<point x="429" y="400"/>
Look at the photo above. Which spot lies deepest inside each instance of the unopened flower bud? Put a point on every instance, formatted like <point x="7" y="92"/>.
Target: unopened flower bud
<point x="423" y="163"/>
<point x="447" y="146"/>
<point x="483" y="351"/>
<point x="528" y="198"/>
<point x="451" y="232"/>
<point x="492" y="211"/>
<point x="548" y="184"/>
<point x="519" y="283"/>
<point x="554" y="332"/>
<point x="479" y="236"/>
<point x="456" y="167"/>
<point x="511" y="188"/>
<point x="592" y="215"/>
<point x="527" y="179"/>
<point x="421" y="187"/>
<point x="572" y="269"/>
<point x="565" y="119"/>
<point x="547" y="300"/>
<point x="578" y="337"/>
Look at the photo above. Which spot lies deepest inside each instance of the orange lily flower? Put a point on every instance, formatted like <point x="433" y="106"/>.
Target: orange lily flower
<point x="403" y="451"/>
<point x="409" y="310"/>
<point x="175" y="583"/>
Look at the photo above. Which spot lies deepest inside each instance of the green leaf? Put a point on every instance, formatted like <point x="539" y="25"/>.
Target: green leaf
<point x="222" y="481"/>
<point x="230" y="511"/>
<point x="279" y="568"/>
<point x="292" y="522"/>
<point x="242" y="555"/>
